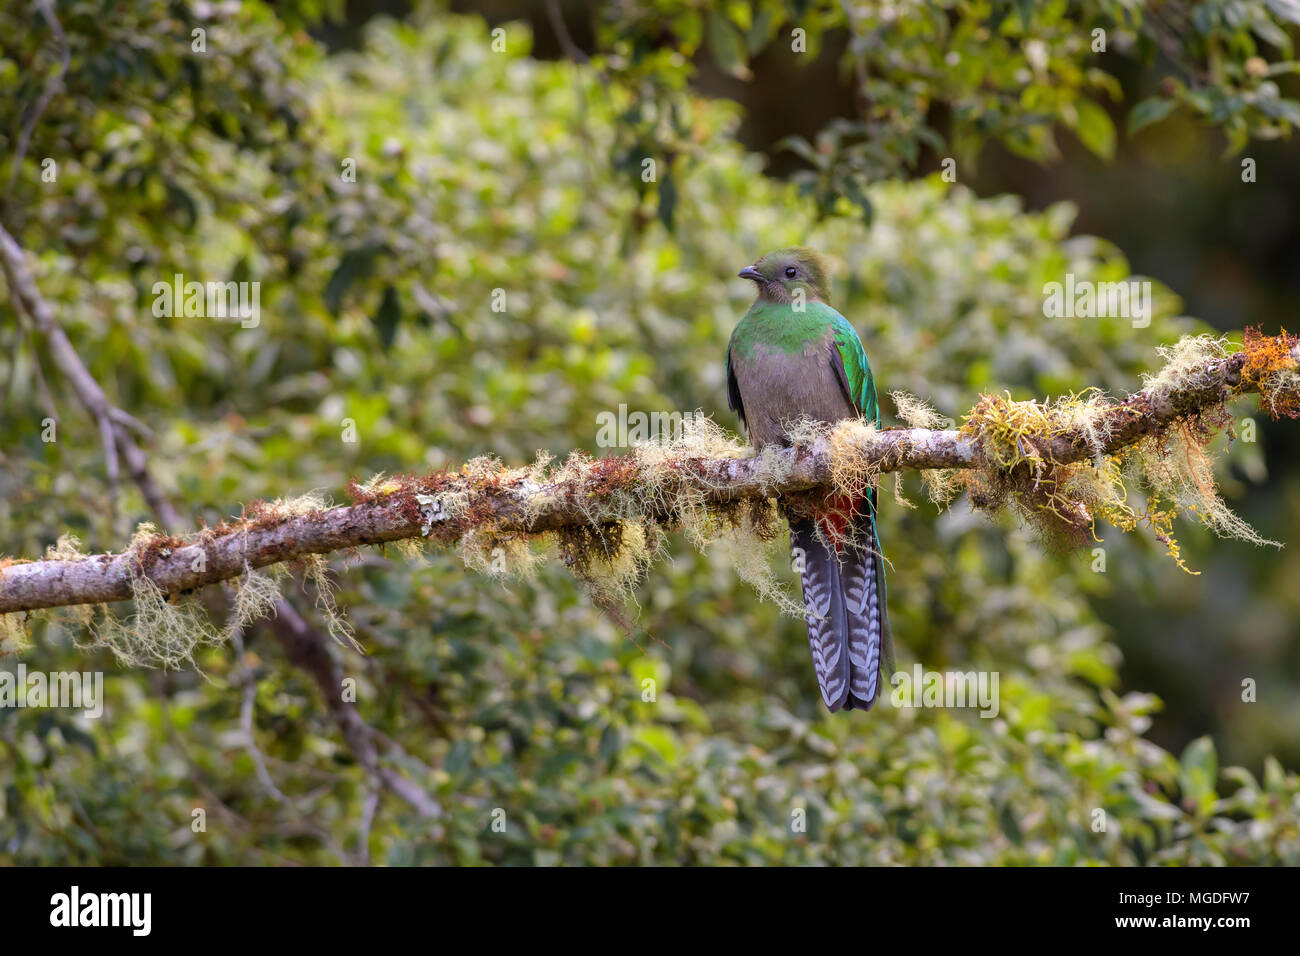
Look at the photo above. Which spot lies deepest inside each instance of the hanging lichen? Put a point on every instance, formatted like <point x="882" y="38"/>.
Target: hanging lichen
<point x="1051" y="462"/>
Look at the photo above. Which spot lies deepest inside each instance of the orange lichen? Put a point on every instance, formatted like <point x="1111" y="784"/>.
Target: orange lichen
<point x="1173" y="463"/>
<point x="1270" y="368"/>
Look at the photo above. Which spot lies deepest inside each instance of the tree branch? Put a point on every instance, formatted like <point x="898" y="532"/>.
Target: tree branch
<point x="305" y="647"/>
<point x="586" y="493"/>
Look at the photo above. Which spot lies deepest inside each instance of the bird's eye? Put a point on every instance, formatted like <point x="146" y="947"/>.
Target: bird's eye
<point x="790" y="272"/>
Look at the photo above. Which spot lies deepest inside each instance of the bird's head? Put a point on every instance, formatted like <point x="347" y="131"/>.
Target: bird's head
<point x="779" y="274"/>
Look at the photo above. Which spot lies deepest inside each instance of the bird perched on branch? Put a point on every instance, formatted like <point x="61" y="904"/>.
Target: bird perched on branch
<point x="792" y="358"/>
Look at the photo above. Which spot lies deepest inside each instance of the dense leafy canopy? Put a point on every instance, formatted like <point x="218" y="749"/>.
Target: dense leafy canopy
<point x="946" y="77"/>
<point x="478" y="171"/>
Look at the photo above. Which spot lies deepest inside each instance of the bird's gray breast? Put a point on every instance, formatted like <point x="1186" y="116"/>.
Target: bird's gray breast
<point x="778" y="389"/>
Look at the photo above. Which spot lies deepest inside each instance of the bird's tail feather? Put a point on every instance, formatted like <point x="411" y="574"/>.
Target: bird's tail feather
<point x="847" y="618"/>
<point x="823" y="601"/>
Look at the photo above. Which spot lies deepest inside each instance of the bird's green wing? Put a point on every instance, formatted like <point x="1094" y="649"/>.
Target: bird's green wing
<point x="733" y="388"/>
<point x="861" y="386"/>
<point x="858" y="380"/>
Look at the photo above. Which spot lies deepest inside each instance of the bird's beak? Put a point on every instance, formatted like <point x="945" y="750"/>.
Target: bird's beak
<point x="749" y="272"/>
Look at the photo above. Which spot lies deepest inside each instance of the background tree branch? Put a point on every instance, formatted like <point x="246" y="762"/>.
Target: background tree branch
<point x="305" y="646"/>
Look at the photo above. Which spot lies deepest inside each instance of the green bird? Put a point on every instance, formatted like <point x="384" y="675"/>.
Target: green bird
<point x="794" y="357"/>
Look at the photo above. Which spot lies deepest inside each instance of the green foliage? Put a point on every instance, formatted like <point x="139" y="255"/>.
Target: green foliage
<point x="949" y="76"/>
<point x="479" y="171"/>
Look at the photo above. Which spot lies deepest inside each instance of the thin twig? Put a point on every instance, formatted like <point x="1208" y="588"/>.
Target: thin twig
<point x="571" y="49"/>
<point x="52" y="85"/>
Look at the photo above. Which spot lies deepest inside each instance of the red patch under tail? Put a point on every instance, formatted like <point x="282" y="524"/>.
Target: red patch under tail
<point x="835" y="520"/>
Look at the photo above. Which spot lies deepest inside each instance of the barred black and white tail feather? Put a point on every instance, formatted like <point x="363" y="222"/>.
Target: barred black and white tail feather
<point x="847" y="617"/>
<point x="863" y="606"/>
<point x="823" y="601"/>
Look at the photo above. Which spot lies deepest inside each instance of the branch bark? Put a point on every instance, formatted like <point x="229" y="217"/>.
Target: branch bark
<point x="445" y="506"/>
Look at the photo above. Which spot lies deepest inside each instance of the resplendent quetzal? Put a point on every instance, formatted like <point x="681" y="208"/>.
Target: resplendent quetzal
<point x="794" y="357"/>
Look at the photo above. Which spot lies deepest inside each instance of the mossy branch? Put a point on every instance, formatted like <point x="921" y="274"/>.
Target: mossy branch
<point x="1058" y="458"/>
